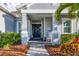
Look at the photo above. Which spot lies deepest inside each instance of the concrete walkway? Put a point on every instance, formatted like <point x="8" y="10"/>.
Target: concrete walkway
<point x="37" y="49"/>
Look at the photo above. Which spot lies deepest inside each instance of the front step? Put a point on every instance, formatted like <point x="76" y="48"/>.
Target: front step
<point x="37" y="42"/>
<point x="37" y="48"/>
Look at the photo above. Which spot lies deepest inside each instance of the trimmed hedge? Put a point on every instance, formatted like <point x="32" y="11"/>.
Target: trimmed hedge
<point x="67" y="37"/>
<point x="8" y="38"/>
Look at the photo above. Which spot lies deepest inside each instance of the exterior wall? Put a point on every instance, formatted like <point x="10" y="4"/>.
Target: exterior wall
<point x="48" y="22"/>
<point x="7" y="23"/>
<point x="2" y="22"/>
<point x="48" y="25"/>
<point x="74" y="27"/>
<point x="78" y="26"/>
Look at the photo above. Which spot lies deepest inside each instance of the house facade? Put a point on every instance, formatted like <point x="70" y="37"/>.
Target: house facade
<point x="38" y="22"/>
<point x="7" y="21"/>
<point x="39" y="19"/>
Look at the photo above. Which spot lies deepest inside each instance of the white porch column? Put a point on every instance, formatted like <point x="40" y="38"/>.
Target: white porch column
<point x="53" y="21"/>
<point x="24" y="32"/>
<point x="52" y="26"/>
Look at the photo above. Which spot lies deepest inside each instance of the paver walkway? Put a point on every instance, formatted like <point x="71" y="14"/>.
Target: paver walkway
<point x="37" y="49"/>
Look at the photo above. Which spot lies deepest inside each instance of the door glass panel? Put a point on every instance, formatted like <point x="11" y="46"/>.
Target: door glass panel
<point x="36" y="30"/>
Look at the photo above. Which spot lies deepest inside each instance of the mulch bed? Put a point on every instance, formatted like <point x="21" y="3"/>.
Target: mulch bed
<point x="62" y="50"/>
<point x="14" y="50"/>
<point x="54" y="50"/>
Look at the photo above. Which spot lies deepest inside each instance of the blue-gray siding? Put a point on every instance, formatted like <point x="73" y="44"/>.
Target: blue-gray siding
<point x="10" y="23"/>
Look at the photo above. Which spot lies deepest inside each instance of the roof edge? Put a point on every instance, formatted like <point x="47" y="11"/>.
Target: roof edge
<point x="6" y="11"/>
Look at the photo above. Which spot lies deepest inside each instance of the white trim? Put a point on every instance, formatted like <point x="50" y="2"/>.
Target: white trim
<point x="36" y="23"/>
<point x="41" y="28"/>
<point x="6" y="11"/>
<point x="31" y="28"/>
<point x="38" y="11"/>
<point x="44" y="26"/>
<point x="17" y="27"/>
<point x="72" y="26"/>
<point x="19" y="6"/>
<point x="42" y="31"/>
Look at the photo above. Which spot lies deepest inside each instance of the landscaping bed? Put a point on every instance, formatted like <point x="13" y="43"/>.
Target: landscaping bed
<point x="10" y="45"/>
<point x="68" y="47"/>
<point x="64" y="50"/>
<point x="54" y="50"/>
<point x="14" y="50"/>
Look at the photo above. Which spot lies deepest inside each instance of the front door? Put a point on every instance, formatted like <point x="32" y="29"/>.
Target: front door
<point x="36" y="30"/>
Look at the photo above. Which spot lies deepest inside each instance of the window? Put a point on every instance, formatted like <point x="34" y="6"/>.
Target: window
<point x="67" y="26"/>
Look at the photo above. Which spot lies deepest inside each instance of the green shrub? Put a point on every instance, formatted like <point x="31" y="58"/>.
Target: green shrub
<point x="66" y="37"/>
<point x="8" y="38"/>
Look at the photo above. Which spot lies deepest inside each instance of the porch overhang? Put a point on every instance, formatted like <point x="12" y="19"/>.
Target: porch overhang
<point x="38" y="11"/>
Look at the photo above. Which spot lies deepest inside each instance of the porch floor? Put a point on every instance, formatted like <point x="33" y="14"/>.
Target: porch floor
<point x="37" y="48"/>
<point x="37" y="39"/>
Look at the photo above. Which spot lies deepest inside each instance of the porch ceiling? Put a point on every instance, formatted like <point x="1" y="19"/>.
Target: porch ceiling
<point x="38" y="11"/>
<point x="39" y="16"/>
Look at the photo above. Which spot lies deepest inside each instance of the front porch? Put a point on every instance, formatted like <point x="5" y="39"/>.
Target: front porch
<point x="38" y="25"/>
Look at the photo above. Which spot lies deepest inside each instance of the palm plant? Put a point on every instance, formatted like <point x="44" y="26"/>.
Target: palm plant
<point x="73" y="11"/>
